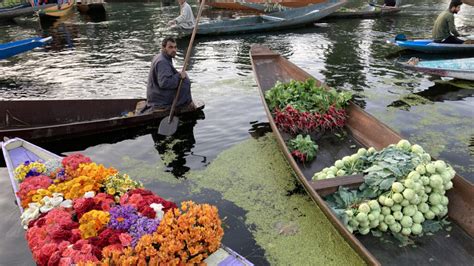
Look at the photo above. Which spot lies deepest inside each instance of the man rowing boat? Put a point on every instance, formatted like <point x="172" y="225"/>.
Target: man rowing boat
<point x="163" y="80"/>
<point x="185" y="20"/>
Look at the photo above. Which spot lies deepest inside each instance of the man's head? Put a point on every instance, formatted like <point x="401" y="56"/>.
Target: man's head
<point x="455" y="6"/>
<point x="168" y="45"/>
<point x="181" y="1"/>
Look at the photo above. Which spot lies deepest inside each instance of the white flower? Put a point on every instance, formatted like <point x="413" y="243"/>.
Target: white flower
<point x="31" y="213"/>
<point x="66" y="204"/>
<point x="89" y="194"/>
<point x="158" y="208"/>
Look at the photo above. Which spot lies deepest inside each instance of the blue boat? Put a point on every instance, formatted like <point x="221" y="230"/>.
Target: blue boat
<point x="455" y="68"/>
<point x="429" y="46"/>
<point x="294" y="17"/>
<point x="16" y="47"/>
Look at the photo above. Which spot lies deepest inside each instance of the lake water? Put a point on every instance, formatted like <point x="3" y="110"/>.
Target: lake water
<point x="109" y="57"/>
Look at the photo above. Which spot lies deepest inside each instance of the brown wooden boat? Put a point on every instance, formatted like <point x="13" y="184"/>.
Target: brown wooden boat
<point x="364" y="130"/>
<point x="236" y="5"/>
<point x="468" y="2"/>
<point x="45" y="120"/>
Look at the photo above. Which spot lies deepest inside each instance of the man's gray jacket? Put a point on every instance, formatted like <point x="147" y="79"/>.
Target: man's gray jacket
<point x="163" y="81"/>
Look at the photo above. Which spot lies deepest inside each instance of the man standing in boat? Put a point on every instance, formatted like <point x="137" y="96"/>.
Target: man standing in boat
<point x="444" y="30"/>
<point x="185" y="20"/>
<point x="163" y="80"/>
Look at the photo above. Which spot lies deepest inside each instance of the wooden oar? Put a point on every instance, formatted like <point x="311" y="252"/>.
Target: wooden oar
<point x="169" y="124"/>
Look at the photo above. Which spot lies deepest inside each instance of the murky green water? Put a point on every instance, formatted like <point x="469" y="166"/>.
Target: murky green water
<point x="109" y="57"/>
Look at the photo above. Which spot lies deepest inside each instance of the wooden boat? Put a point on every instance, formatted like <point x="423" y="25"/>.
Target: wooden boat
<point x="366" y="12"/>
<point x="428" y="46"/>
<point x="13" y="48"/>
<point x="8" y="13"/>
<point x="275" y="21"/>
<point x="365" y="130"/>
<point x="240" y="5"/>
<point x="454" y="68"/>
<point x="43" y="120"/>
<point x="90" y="6"/>
<point x="468" y="2"/>
<point x="16" y="151"/>
<point x="62" y="8"/>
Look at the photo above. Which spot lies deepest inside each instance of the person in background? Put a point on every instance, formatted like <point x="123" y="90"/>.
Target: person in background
<point x="163" y="81"/>
<point x="185" y="20"/>
<point x="444" y="29"/>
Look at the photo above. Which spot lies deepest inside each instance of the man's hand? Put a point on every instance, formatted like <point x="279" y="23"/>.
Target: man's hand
<point x="172" y="23"/>
<point x="183" y="74"/>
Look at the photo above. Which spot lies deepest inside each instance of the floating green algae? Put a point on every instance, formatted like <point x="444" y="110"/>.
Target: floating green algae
<point x="286" y="223"/>
<point x="169" y="155"/>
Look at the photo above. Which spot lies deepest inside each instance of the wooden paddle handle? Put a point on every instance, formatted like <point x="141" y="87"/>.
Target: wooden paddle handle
<point x="186" y="59"/>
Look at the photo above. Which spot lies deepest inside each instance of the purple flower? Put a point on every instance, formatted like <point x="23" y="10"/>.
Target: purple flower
<point x="32" y="172"/>
<point x="122" y="217"/>
<point x="141" y="227"/>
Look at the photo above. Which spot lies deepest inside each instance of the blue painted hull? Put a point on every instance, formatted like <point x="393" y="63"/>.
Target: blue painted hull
<point x="274" y="21"/>
<point x="13" y="48"/>
<point x="454" y="68"/>
<point x="428" y="46"/>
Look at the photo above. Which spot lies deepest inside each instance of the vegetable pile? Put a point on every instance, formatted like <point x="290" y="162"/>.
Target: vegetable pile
<point x="403" y="190"/>
<point x="305" y="108"/>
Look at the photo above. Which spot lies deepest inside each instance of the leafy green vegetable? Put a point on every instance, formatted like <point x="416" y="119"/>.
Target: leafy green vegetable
<point x="303" y="148"/>
<point x="305" y="96"/>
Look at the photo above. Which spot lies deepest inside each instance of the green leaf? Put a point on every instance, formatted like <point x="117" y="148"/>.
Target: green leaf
<point x="387" y="184"/>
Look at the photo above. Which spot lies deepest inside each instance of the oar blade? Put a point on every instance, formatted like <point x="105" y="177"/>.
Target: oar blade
<point x="168" y="128"/>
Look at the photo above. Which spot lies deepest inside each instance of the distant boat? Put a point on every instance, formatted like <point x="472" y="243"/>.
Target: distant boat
<point x="275" y="21"/>
<point x="13" y="48"/>
<point x="468" y="2"/>
<point x="60" y="9"/>
<point x="241" y="5"/>
<point x="8" y="13"/>
<point x="90" y="6"/>
<point x="454" y="68"/>
<point x="429" y="46"/>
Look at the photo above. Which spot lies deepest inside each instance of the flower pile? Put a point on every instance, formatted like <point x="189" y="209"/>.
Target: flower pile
<point x="79" y="212"/>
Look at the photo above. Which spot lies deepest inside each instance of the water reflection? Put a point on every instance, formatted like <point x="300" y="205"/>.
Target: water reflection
<point x="176" y="150"/>
<point x="441" y="91"/>
<point x="63" y="33"/>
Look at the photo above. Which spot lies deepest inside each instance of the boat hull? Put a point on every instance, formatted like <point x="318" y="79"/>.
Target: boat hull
<point x="365" y="131"/>
<point x="274" y="21"/>
<point x="57" y="11"/>
<point x="428" y="46"/>
<point x="13" y="48"/>
<point x="68" y="119"/>
<point x="21" y="10"/>
<point x="454" y="68"/>
<point x="232" y="4"/>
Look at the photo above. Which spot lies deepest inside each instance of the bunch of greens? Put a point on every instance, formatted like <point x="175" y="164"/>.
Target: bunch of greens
<point x="303" y="148"/>
<point x="305" y="97"/>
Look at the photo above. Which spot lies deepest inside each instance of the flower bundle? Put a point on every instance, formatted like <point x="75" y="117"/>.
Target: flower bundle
<point x="79" y="212"/>
<point x="28" y="169"/>
<point x="185" y="236"/>
<point x="119" y="184"/>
